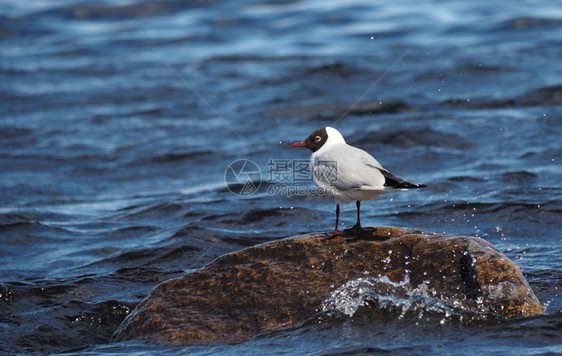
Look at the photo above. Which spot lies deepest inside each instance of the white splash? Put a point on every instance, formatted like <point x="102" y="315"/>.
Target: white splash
<point x="387" y="295"/>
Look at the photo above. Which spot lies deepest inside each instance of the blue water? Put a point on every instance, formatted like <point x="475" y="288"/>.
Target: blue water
<point x="119" y="119"/>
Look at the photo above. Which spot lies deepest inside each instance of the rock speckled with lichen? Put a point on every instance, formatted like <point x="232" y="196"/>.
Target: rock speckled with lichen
<point x="282" y="283"/>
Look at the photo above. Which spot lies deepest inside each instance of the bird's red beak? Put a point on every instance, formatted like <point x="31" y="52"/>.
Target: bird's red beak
<point x="297" y="144"/>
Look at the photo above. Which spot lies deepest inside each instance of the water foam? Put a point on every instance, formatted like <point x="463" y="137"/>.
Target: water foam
<point x="390" y="296"/>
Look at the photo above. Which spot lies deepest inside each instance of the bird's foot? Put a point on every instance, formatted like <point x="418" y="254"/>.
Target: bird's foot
<point x="328" y="236"/>
<point x="356" y="230"/>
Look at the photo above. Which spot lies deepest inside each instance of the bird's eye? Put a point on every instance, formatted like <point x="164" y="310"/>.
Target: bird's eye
<point x="317" y="139"/>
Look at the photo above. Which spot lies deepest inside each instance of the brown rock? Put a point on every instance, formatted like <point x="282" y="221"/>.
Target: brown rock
<point x="283" y="283"/>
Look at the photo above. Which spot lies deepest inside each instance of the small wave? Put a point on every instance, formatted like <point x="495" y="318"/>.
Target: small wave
<point x="153" y="211"/>
<point x="14" y="133"/>
<point x="466" y="179"/>
<point x="329" y="110"/>
<point x="20" y="224"/>
<point x="424" y="136"/>
<point x="544" y="96"/>
<point x="93" y="11"/>
<point x="540" y="97"/>
<point x="178" y="157"/>
<point x="258" y="215"/>
<point x="337" y="68"/>
<point x="518" y="177"/>
<point x="524" y="23"/>
<point x="389" y="296"/>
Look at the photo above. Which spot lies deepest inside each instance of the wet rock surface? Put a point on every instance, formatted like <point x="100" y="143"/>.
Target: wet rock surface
<point x="286" y="282"/>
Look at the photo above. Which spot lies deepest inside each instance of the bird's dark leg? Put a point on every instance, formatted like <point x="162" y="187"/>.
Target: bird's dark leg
<point x="337" y="230"/>
<point x="356" y="229"/>
<point x="358" y="223"/>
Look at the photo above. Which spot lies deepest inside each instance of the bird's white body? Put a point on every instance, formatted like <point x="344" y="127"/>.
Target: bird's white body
<point x="346" y="172"/>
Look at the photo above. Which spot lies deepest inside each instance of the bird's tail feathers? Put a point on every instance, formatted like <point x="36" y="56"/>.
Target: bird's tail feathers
<point x="408" y="185"/>
<point x="396" y="182"/>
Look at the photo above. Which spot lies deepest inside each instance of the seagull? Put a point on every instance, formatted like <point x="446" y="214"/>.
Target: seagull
<point x="348" y="173"/>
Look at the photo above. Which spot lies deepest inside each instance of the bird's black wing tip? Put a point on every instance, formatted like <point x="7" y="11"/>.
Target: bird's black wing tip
<point x="409" y="185"/>
<point x="396" y="182"/>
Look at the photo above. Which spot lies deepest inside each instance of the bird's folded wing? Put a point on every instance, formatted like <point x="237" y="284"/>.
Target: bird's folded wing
<point x="347" y="168"/>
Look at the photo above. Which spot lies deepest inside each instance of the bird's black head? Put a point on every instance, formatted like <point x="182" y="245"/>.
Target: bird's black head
<point x="314" y="141"/>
